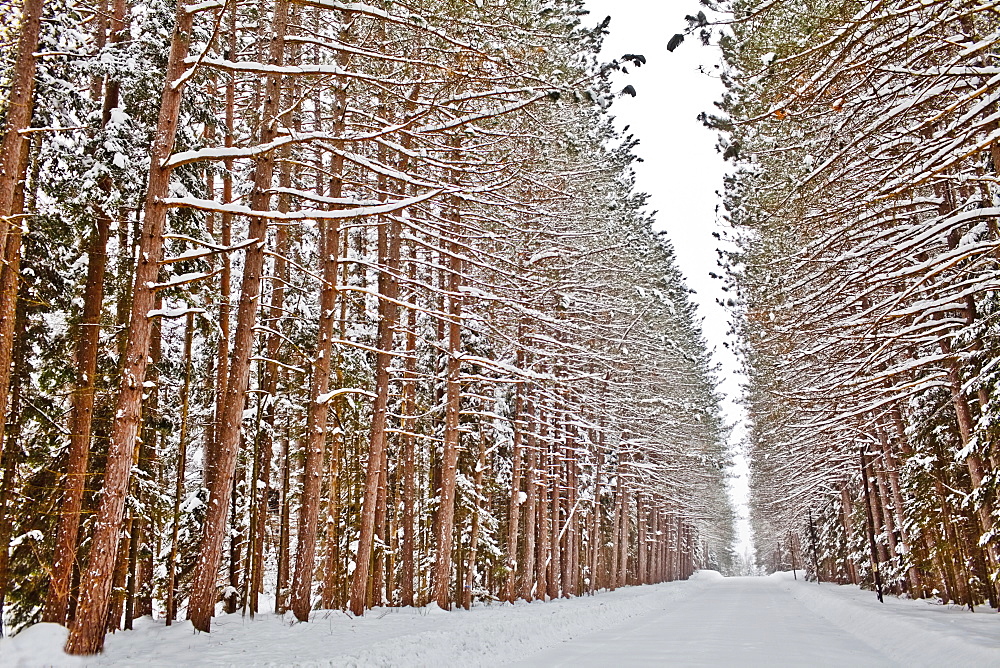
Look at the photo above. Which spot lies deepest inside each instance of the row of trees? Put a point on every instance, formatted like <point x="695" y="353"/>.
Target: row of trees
<point x="864" y="214"/>
<point x="335" y="304"/>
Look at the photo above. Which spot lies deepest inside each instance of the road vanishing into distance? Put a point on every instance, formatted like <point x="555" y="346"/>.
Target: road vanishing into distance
<point x="735" y="621"/>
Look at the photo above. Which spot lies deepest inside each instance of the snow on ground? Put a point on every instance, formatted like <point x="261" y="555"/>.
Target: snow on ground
<point x="486" y="635"/>
<point x="708" y="620"/>
<point x="912" y="633"/>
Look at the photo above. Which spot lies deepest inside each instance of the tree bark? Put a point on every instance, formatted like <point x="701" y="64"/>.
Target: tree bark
<point x="19" y="111"/>
<point x="389" y="239"/>
<point x="10" y="457"/>
<point x="446" y="510"/>
<point x="470" y="571"/>
<point x="514" y="504"/>
<point x="281" y="587"/>
<point x="181" y="470"/>
<point x="82" y="400"/>
<point x="225" y="275"/>
<point x="531" y="489"/>
<point x="846" y="507"/>
<point x="409" y="456"/>
<point x="317" y="420"/>
<point x="87" y="633"/>
<point x="203" y="590"/>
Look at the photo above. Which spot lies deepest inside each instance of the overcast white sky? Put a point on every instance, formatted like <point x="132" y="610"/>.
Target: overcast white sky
<point x="681" y="170"/>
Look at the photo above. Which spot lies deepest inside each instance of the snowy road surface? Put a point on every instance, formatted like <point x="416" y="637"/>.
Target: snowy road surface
<point x="707" y="621"/>
<point x="737" y="621"/>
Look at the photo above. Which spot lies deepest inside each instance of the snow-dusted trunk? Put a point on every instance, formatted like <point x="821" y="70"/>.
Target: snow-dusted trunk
<point x="847" y="512"/>
<point x="640" y="538"/>
<point x="531" y="490"/>
<point x="10" y="457"/>
<point x="409" y="454"/>
<point x="571" y="533"/>
<point x="181" y="468"/>
<point x="514" y="503"/>
<point x="281" y="586"/>
<point x="544" y="558"/>
<point x="203" y="596"/>
<point x="555" y="509"/>
<point x="477" y="483"/>
<point x="888" y="522"/>
<point x="82" y="400"/>
<point x="225" y="274"/>
<point x="317" y="419"/>
<point x="872" y="548"/>
<point x="87" y="632"/>
<point x="616" y="525"/>
<point x="389" y="240"/>
<point x="449" y="466"/>
<point x="595" y="542"/>
<point x="15" y="145"/>
<point x="264" y="442"/>
<point x="377" y="580"/>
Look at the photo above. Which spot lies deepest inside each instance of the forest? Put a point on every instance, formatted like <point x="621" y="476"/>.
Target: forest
<point x="863" y="207"/>
<point x="320" y="304"/>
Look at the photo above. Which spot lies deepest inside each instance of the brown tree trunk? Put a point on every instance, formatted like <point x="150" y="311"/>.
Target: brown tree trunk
<point x="389" y="239"/>
<point x="616" y="532"/>
<point x="87" y="632"/>
<point x="624" y="539"/>
<point x="449" y="470"/>
<point x="977" y="471"/>
<point x="331" y="577"/>
<point x="543" y="560"/>
<point x="181" y="470"/>
<point x="14" y="145"/>
<point x="514" y="504"/>
<point x="595" y="523"/>
<point x="312" y="470"/>
<point x="281" y="588"/>
<point x="14" y="161"/>
<point x="10" y="457"/>
<point x="138" y="552"/>
<point x="409" y="456"/>
<point x="82" y="400"/>
<point x="470" y="571"/>
<point x="225" y="275"/>
<point x="531" y="489"/>
<point x="203" y="590"/>
<point x="846" y="506"/>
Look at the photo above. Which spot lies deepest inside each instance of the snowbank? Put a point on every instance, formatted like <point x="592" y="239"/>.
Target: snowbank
<point x="912" y="632"/>
<point x="38" y="645"/>
<point x="707" y="575"/>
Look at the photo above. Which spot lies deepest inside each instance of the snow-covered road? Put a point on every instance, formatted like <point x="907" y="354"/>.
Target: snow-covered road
<point x="706" y="621"/>
<point x="736" y="621"/>
<point x="779" y="621"/>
